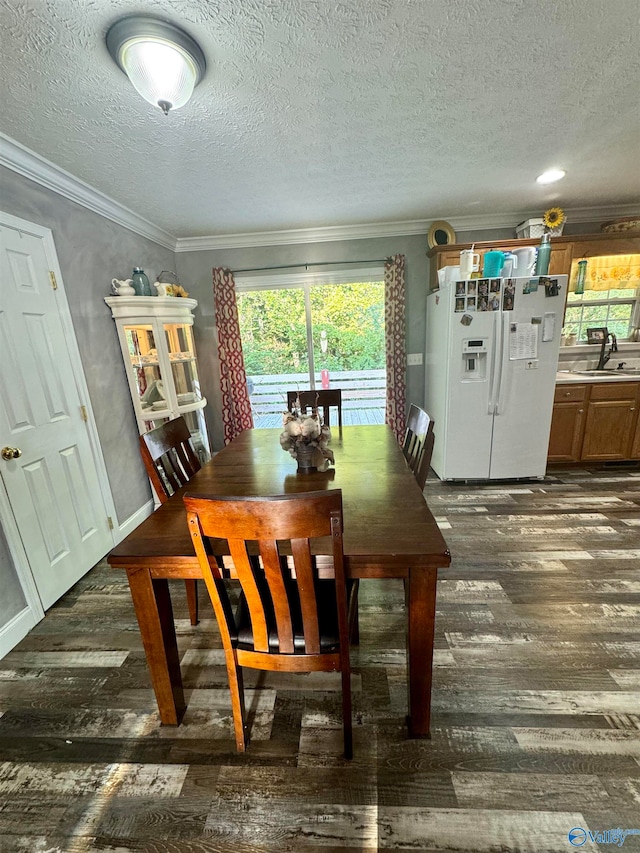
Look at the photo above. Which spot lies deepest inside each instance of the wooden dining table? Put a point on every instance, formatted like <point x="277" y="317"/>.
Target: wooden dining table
<point x="389" y="532"/>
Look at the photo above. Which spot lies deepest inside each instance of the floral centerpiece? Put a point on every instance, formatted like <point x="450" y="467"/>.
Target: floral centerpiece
<point x="306" y="438"/>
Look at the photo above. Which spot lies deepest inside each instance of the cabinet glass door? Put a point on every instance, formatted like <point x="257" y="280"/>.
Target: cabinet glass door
<point x="182" y="358"/>
<point x="145" y="364"/>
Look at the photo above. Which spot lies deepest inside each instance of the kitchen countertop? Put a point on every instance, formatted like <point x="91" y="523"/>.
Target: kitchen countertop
<point x="564" y="377"/>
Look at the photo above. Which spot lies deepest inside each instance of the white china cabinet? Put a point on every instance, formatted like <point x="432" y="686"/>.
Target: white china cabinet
<point x="156" y="338"/>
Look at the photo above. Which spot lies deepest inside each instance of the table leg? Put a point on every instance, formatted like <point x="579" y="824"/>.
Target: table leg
<point x="421" y="602"/>
<point x="152" y="604"/>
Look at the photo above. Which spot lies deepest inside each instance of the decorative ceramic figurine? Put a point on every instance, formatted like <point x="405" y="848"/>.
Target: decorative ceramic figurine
<point x="122" y="287"/>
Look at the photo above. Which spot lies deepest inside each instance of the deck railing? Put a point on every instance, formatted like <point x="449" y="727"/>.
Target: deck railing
<point x="363" y="395"/>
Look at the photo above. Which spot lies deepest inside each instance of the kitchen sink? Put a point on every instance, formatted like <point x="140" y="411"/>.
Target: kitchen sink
<point x="627" y="371"/>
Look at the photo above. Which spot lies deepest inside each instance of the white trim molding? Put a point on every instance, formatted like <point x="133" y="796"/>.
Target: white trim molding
<point x="22" y="160"/>
<point x="25" y="162"/>
<point x="16" y="629"/>
<point x="406" y="228"/>
<point x="133" y="521"/>
<point x="276" y="281"/>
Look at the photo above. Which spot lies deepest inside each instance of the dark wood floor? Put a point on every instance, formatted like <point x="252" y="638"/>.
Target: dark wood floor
<point x="536" y="723"/>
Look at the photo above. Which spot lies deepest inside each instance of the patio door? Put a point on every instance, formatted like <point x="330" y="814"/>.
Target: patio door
<point x="314" y="330"/>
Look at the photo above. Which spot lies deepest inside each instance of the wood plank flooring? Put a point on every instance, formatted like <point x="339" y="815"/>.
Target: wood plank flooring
<point x="536" y="705"/>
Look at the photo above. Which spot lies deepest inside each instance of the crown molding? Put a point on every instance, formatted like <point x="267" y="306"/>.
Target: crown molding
<point x="25" y="162"/>
<point x="406" y="228"/>
<point x="296" y="236"/>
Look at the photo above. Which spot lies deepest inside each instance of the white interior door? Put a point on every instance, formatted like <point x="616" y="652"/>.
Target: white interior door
<point x="52" y="480"/>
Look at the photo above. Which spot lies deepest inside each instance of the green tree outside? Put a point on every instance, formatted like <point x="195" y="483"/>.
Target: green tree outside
<point x="274" y="333"/>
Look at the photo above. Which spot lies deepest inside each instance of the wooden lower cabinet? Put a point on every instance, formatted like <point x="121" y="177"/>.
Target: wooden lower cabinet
<point x="567" y="425"/>
<point x="608" y="430"/>
<point x="567" y="428"/>
<point x="595" y="422"/>
<point x="635" y="447"/>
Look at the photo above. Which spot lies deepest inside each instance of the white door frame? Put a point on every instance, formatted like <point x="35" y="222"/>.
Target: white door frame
<point x="11" y="530"/>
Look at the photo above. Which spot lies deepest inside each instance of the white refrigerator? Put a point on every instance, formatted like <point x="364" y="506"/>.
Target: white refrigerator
<point x="491" y="361"/>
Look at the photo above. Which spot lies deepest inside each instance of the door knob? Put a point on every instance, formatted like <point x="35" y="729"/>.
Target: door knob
<point x="11" y="453"/>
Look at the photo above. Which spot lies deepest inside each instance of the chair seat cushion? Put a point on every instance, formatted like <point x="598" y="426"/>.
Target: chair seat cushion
<point x="328" y="619"/>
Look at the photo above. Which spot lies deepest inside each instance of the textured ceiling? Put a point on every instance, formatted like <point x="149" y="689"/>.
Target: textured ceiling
<point x="316" y="113"/>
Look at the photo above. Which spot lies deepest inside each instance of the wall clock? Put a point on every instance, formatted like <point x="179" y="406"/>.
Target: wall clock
<point x="440" y="234"/>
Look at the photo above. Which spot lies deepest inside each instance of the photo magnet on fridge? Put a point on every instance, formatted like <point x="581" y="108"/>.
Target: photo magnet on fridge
<point x="466" y="319"/>
<point x="551" y="287"/>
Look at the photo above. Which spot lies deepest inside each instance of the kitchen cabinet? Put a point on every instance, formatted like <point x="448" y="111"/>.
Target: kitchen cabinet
<point x="567" y="423"/>
<point x="611" y="417"/>
<point x="564" y="250"/>
<point x="156" y="339"/>
<point x="595" y="422"/>
<point x="635" y="445"/>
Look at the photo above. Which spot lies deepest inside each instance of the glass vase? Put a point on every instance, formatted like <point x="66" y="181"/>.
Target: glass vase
<point x="140" y="282"/>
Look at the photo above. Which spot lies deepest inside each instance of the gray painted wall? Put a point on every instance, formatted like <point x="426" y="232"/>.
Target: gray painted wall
<point x="91" y="251"/>
<point x="194" y="270"/>
<point x="12" y="600"/>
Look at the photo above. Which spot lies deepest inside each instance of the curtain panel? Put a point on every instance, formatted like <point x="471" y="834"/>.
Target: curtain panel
<point x="395" y="344"/>
<point x="236" y="406"/>
<point x="621" y="272"/>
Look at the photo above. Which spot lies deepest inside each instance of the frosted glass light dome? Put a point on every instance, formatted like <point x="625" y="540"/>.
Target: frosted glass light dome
<point x="162" y="61"/>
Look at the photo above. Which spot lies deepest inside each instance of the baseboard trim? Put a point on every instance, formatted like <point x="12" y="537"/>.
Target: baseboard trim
<point x="133" y="521"/>
<point x="17" y="629"/>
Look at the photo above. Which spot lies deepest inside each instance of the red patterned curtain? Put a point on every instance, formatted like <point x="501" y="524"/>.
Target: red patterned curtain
<point x="395" y="345"/>
<point x="236" y="407"/>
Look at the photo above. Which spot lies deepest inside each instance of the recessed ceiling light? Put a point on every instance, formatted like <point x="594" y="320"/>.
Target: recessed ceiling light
<point x="551" y="176"/>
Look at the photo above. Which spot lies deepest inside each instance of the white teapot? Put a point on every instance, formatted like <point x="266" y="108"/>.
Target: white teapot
<point x="122" y="288"/>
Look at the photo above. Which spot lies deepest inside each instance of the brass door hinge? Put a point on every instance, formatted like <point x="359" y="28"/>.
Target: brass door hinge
<point x="83" y="413"/>
<point x="54" y="283"/>
<point x="110" y="522"/>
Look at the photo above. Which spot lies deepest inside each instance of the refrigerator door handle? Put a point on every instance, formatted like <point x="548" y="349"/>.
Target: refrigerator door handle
<point x="495" y="360"/>
<point x="504" y="356"/>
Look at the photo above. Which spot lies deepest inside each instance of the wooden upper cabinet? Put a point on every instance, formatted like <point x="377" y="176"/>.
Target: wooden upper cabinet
<point x="563" y="251"/>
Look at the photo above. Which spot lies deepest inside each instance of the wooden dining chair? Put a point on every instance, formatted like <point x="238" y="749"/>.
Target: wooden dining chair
<point x="284" y="623"/>
<point x="323" y="398"/>
<point x="418" y="443"/>
<point x="171" y="462"/>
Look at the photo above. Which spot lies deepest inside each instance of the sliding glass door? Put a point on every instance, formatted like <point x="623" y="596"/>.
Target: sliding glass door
<point x="314" y="331"/>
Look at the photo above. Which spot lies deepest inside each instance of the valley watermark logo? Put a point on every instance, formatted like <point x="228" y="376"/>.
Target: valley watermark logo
<point x="579" y="836"/>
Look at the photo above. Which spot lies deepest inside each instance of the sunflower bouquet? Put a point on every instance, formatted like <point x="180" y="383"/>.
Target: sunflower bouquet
<point x="554" y="220"/>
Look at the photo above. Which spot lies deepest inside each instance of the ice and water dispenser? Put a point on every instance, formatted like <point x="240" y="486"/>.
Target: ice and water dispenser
<point x="474" y="359"/>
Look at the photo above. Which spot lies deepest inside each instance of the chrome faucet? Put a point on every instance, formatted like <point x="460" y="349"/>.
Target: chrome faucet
<point x="613" y="348"/>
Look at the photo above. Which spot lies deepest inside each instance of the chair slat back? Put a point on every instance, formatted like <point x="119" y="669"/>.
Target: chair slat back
<point x="418" y="443"/>
<point x="272" y="521"/>
<point x="321" y="398"/>
<point x="168" y="457"/>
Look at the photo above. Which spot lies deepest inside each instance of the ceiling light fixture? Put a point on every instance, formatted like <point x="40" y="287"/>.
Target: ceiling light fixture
<point x="551" y="176"/>
<point x="162" y="61"/>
